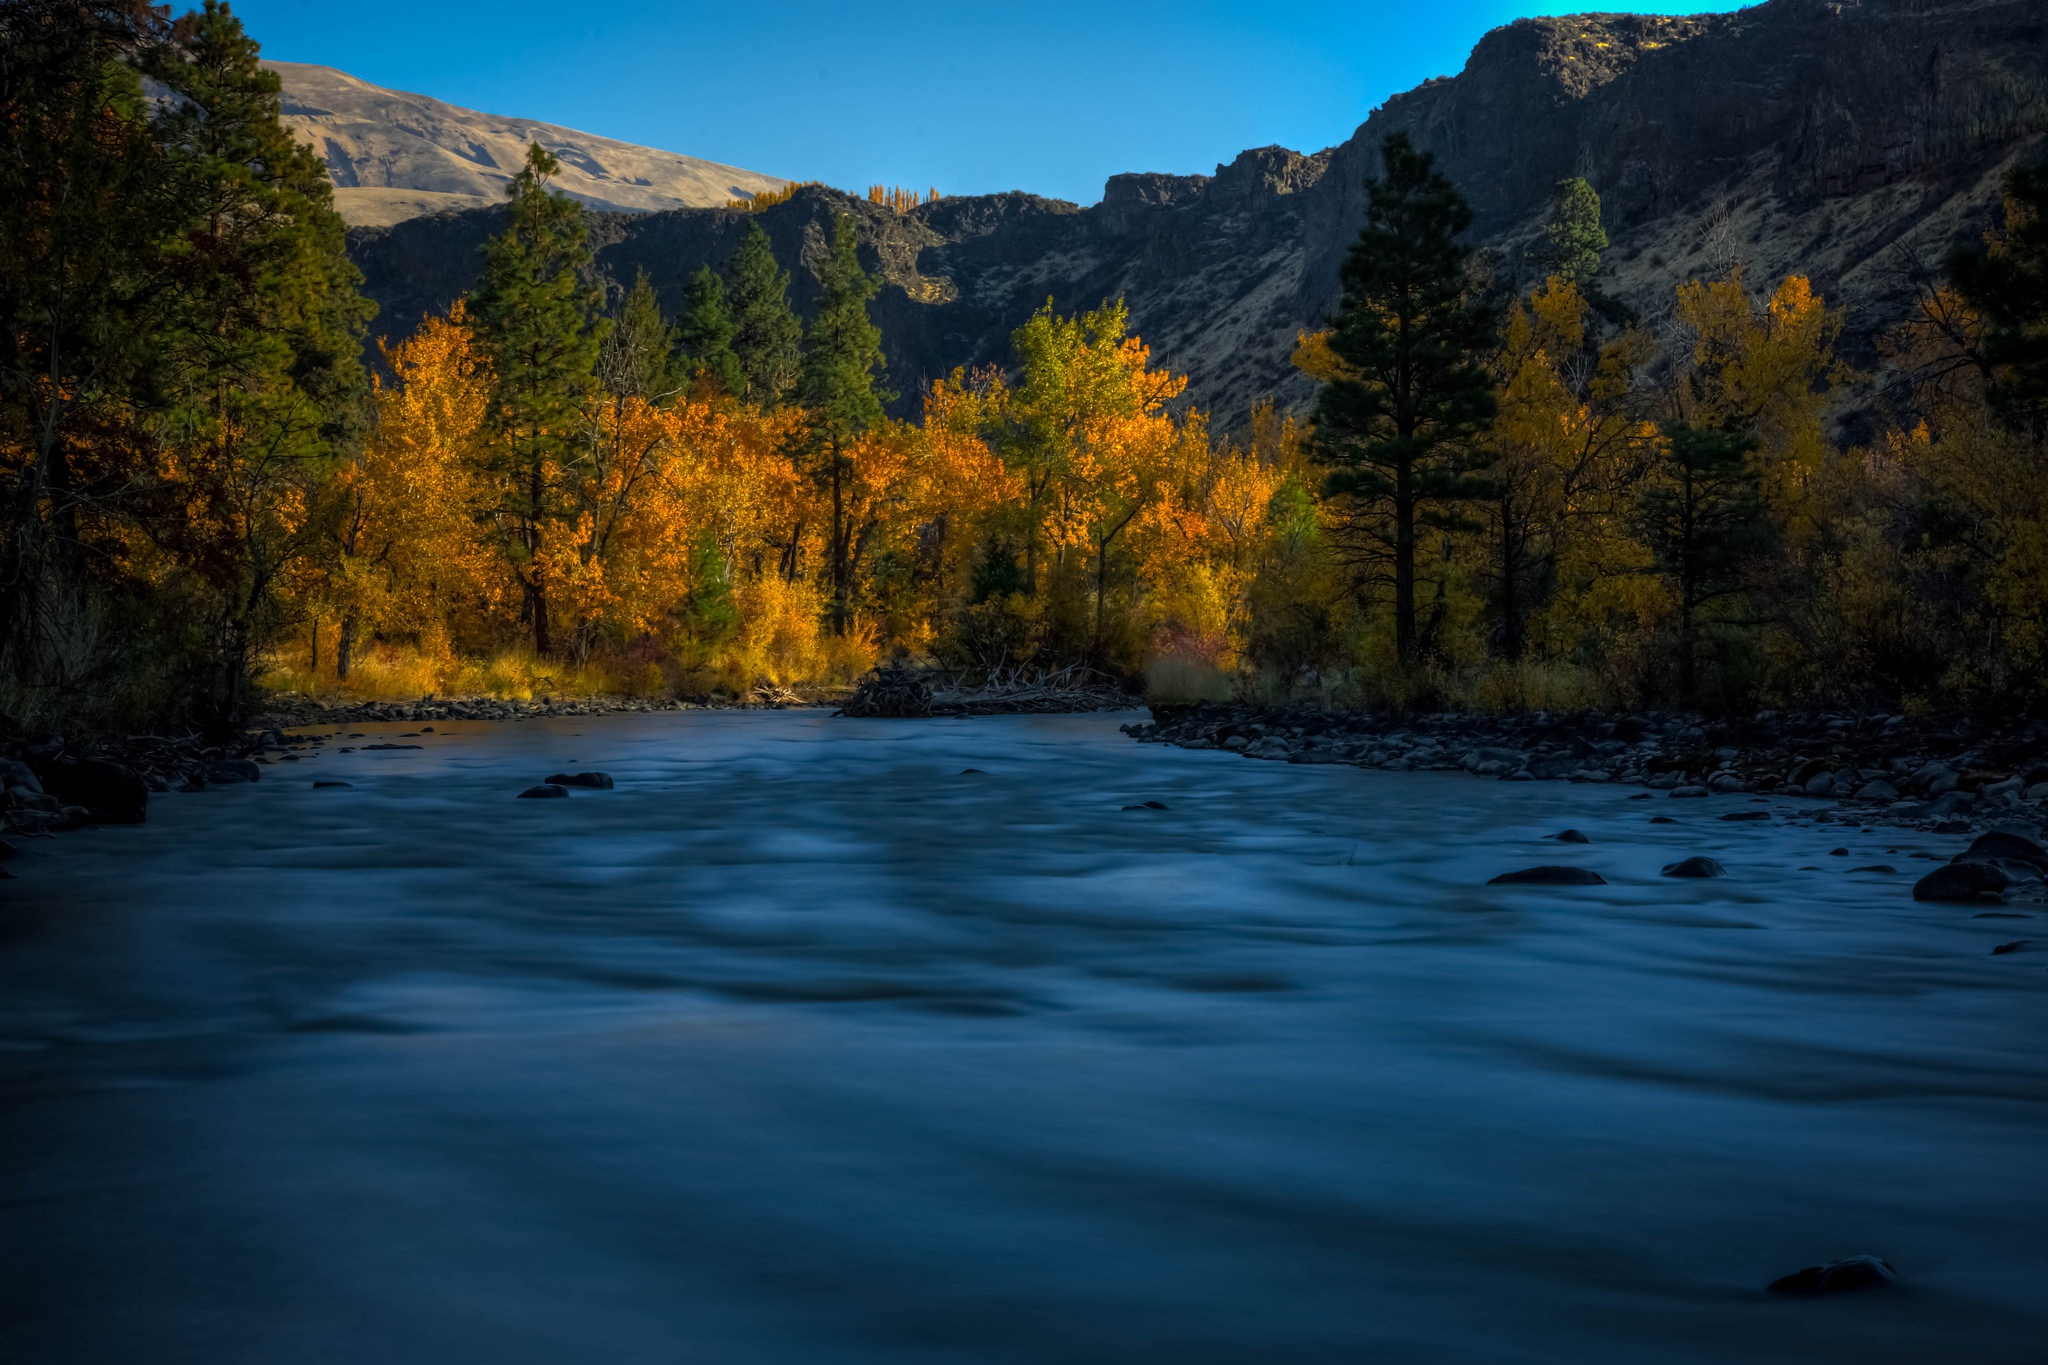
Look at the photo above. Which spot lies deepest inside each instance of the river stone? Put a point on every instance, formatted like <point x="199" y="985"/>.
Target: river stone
<point x="368" y="747"/>
<point x="2002" y="949"/>
<point x="1821" y="784"/>
<point x="1879" y="790"/>
<point x="594" y="781"/>
<point x="1943" y="782"/>
<point x="1961" y="882"/>
<point x="1570" y="836"/>
<point x="233" y="770"/>
<point x="1846" y="1276"/>
<point x="1689" y="792"/>
<point x="331" y="783"/>
<point x="1728" y="782"/>
<point x="1886" y="868"/>
<point x="1549" y="875"/>
<point x="108" y="792"/>
<point x="1806" y="772"/>
<point x="1747" y="815"/>
<point x="1695" y="867"/>
<point x="544" y="791"/>
<point x="1999" y="844"/>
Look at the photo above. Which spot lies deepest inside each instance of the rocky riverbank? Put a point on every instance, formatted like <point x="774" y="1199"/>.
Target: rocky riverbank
<point x="1947" y="776"/>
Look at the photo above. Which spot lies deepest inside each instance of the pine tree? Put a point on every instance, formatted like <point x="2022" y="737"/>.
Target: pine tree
<point x="532" y="316"/>
<point x="1573" y="238"/>
<point x="1396" y="419"/>
<point x="766" y="336"/>
<point x="638" y="358"/>
<point x="1702" y="516"/>
<point x="842" y="355"/>
<point x="2008" y="286"/>
<point x="261" y="383"/>
<point x="704" y="340"/>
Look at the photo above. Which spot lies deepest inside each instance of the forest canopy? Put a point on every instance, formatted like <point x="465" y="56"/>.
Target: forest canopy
<point x="1510" y="497"/>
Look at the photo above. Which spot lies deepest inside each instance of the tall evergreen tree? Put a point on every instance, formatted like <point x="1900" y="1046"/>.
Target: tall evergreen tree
<point x="1701" y="514"/>
<point x="2008" y="286"/>
<point x="842" y="355"/>
<point x="261" y="383"/>
<point x="766" y="336"/>
<point x="1396" y="423"/>
<point x="532" y="315"/>
<point x="86" y="207"/>
<point x="638" y="356"/>
<point x="1573" y="237"/>
<point x="704" y="340"/>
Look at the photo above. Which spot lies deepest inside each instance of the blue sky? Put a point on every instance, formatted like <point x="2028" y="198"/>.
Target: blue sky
<point x="975" y="96"/>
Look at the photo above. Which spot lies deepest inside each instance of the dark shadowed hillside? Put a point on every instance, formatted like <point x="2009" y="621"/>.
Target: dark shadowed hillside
<point x="1830" y="138"/>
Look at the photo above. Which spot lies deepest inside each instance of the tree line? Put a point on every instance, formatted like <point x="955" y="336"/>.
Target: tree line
<point x="1499" y="499"/>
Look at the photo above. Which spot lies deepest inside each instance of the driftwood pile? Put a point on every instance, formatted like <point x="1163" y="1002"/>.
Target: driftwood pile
<point x="896" y="690"/>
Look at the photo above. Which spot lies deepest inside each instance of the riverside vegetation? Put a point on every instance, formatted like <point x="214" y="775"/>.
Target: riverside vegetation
<point x="1503" y="500"/>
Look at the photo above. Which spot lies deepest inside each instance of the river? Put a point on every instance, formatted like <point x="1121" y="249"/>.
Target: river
<point x="804" y="1045"/>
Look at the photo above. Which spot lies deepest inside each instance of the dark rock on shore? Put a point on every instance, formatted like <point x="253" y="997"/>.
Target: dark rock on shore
<point x="107" y="791"/>
<point x="591" y="781"/>
<point x="1998" y="845"/>
<point x="1695" y="867"/>
<point x="232" y="770"/>
<point x="1549" y="875"/>
<point x="1849" y="1275"/>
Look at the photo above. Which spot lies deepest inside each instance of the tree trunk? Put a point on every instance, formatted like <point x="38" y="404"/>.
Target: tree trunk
<point x="839" y="565"/>
<point x="345" y="647"/>
<point x="1404" y="560"/>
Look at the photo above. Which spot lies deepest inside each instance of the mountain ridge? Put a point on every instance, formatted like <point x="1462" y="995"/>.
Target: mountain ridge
<point x="1845" y="141"/>
<point x="394" y="155"/>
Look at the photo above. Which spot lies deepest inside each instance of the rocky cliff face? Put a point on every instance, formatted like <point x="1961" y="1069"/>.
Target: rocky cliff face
<point x="1824" y="136"/>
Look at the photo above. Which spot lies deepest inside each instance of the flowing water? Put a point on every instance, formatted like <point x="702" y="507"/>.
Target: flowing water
<point x="805" y="1046"/>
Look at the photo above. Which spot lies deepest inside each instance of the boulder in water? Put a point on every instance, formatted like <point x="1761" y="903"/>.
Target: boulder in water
<point x="1962" y="882"/>
<point x="1695" y="867"/>
<point x="545" y="791"/>
<point x="233" y="770"/>
<point x="601" y="782"/>
<point x="2000" y="846"/>
<point x="108" y="792"/>
<point x="1849" y="1275"/>
<point x="1570" y="836"/>
<point x="331" y="783"/>
<point x="1549" y="875"/>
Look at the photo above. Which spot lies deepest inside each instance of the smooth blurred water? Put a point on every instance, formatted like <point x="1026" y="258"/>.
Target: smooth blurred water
<point x="803" y="1046"/>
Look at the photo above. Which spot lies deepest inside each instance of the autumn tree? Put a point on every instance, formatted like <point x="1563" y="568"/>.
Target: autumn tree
<point x="1399" y="408"/>
<point x="767" y="340"/>
<point x="704" y="340"/>
<point x="841" y="357"/>
<point x="532" y="317"/>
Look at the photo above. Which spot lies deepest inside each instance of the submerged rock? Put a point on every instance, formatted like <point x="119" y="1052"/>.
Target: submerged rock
<point x="1549" y="875"/>
<point x="2000" y="846"/>
<point x="1570" y="836"/>
<point x="593" y="781"/>
<point x="1747" y="815"/>
<point x="1962" y="882"/>
<point x="1689" y="792"/>
<point x="544" y="791"/>
<point x="331" y="782"/>
<point x="1695" y="867"/>
<point x="1849" y="1275"/>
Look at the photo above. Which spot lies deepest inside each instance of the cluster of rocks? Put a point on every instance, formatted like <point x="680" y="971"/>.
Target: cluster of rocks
<point x="557" y="785"/>
<point x="1947" y="775"/>
<point x="53" y="785"/>
<point x="293" y="709"/>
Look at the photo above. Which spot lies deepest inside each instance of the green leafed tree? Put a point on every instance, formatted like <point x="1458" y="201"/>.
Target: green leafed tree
<point x="1573" y="238"/>
<point x="1407" y="394"/>
<point x="704" y="341"/>
<point x="842" y="357"/>
<point x="767" y="339"/>
<point x="532" y="315"/>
